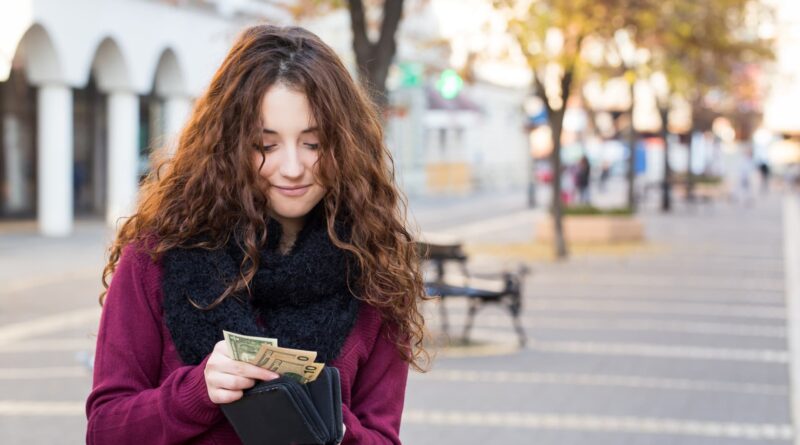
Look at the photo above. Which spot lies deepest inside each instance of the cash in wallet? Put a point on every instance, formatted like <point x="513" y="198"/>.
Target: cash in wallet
<point x="284" y="411"/>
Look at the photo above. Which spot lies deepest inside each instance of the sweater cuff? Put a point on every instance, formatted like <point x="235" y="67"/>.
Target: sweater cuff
<point x="194" y="398"/>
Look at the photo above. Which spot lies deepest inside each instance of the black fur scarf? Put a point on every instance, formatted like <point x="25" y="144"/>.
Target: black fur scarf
<point x="301" y="298"/>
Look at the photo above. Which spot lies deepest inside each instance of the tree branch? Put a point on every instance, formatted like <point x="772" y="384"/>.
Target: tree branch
<point x="392" y="13"/>
<point x="542" y="93"/>
<point x="358" y="23"/>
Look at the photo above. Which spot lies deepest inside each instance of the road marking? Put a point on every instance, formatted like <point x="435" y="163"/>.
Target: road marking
<point x="639" y="382"/>
<point x="487" y="226"/>
<point x="660" y="351"/>
<point x="508" y="347"/>
<point x="791" y="252"/>
<point x="652" y="296"/>
<point x="24" y="284"/>
<point x="56" y="344"/>
<point x="644" y="307"/>
<point x="492" y="339"/>
<point x="704" y="309"/>
<point x="752" y="431"/>
<point x="595" y="324"/>
<point x="51" y="372"/>
<point x="51" y="323"/>
<point x="677" y="282"/>
<point x="39" y="408"/>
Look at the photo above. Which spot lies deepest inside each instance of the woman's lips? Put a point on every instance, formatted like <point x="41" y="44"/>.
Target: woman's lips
<point x="293" y="191"/>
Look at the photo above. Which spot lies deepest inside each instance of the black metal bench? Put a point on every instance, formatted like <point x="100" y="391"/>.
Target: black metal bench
<point x="504" y="289"/>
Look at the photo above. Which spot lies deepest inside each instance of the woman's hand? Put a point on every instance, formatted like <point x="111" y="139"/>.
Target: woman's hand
<point x="226" y="378"/>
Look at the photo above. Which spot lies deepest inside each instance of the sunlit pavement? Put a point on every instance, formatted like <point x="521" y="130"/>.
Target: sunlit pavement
<point x="683" y="345"/>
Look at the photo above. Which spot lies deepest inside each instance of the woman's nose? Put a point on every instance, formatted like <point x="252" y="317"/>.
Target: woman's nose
<point x="291" y="166"/>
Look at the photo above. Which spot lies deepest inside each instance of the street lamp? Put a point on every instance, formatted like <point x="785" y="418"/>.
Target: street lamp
<point x="660" y="86"/>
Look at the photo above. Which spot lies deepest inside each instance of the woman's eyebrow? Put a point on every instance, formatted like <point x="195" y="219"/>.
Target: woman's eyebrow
<point x="307" y="130"/>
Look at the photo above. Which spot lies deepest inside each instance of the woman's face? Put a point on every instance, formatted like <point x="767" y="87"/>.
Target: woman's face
<point x="290" y="145"/>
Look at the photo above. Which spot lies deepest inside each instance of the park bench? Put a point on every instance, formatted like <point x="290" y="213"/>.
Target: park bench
<point x="503" y="289"/>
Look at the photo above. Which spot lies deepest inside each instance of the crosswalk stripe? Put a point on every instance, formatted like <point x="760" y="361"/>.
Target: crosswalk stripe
<point x="48" y="324"/>
<point x="492" y="339"/>
<point x="625" y="381"/>
<point x="56" y="344"/>
<point x="41" y="408"/>
<point x="662" y="351"/>
<point x="704" y="309"/>
<point x="626" y="324"/>
<point x="597" y="306"/>
<point x="47" y="372"/>
<point x="569" y="422"/>
<point x="20" y="285"/>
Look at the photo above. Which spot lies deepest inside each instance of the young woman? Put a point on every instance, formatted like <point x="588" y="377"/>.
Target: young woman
<point x="278" y="216"/>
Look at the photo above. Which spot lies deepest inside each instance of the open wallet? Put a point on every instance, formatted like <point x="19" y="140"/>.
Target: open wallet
<point x="286" y="412"/>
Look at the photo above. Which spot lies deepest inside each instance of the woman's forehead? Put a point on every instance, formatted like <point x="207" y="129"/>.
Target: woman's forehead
<point x="286" y="109"/>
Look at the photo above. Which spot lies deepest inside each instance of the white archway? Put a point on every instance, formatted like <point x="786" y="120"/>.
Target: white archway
<point x="169" y="79"/>
<point x="170" y="85"/>
<point x="42" y="62"/>
<point x="54" y="186"/>
<point x="111" y="69"/>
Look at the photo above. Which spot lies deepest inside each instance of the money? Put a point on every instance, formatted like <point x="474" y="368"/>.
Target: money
<point x="269" y="352"/>
<point x="245" y="348"/>
<point x="293" y="363"/>
<point x="297" y="364"/>
<point x="303" y="372"/>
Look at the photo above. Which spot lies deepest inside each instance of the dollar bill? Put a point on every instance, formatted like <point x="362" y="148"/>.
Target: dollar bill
<point x="294" y="363"/>
<point x="245" y="348"/>
<point x="269" y="352"/>
<point x="303" y="372"/>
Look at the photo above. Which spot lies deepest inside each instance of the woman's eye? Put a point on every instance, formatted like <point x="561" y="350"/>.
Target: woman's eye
<point x="268" y="147"/>
<point x="312" y="146"/>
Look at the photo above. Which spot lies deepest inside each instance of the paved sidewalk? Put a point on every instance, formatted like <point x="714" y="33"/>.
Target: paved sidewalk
<point x="685" y="344"/>
<point x="49" y="315"/>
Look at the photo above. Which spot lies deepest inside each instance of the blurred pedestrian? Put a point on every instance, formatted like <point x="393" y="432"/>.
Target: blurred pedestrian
<point x="605" y="173"/>
<point x="567" y="178"/>
<point x="764" y="171"/>
<point x="277" y="217"/>
<point x="583" y="174"/>
<point x="745" y="174"/>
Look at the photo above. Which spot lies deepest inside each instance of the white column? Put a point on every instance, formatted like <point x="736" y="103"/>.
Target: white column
<point x="176" y="111"/>
<point x="55" y="159"/>
<point x="123" y="155"/>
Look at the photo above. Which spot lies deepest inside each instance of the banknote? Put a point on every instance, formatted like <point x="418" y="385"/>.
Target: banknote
<point x="303" y="372"/>
<point x="245" y="348"/>
<point x="269" y="352"/>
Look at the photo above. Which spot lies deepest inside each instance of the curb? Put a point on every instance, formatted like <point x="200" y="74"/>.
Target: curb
<point x="791" y="254"/>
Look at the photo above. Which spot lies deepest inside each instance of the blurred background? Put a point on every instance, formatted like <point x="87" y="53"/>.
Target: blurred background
<point x="607" y="193"/>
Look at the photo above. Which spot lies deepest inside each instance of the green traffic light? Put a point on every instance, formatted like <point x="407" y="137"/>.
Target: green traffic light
<point x="449" y="84"/>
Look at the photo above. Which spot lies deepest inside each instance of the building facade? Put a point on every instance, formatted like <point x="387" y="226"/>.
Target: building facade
<point x="87" y="89"/>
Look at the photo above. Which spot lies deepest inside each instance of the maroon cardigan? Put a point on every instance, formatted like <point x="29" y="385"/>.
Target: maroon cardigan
<point x="143" y="394"/>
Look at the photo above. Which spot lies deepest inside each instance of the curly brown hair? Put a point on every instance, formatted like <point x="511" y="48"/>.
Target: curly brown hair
<point x="209" y="185"/>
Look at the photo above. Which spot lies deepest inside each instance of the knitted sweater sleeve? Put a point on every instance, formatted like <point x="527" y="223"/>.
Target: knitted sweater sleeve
<point x="378" y="394"/>
<point x="127" y="403"/>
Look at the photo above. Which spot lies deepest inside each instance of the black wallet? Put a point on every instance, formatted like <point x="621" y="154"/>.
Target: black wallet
<point x="286" y="412"/>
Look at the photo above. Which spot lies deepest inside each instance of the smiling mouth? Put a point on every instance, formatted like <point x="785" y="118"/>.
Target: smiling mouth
<point x="297" y="187"/>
